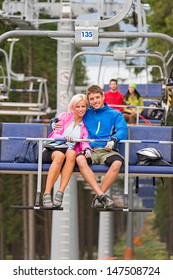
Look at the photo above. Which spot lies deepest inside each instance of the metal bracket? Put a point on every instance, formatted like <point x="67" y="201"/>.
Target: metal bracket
<point x="119" y="55"/>
<point x="86" y="33"/>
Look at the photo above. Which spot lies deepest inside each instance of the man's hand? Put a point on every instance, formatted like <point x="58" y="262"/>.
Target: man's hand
<point x="111" y="144"/>
<point x="133" y="111"/>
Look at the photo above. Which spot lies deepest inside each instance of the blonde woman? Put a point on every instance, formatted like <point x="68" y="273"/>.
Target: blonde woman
<point x="63" y="158"/>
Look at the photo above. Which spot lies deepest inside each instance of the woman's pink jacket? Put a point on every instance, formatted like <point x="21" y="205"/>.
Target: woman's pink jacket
<point x="65" y="119"/>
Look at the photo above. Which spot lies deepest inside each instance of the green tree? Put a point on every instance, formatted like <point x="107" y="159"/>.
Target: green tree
<point x="32" y="56"/>
<point x="160" y="20"/>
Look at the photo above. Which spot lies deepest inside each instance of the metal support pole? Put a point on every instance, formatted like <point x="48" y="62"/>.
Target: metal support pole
<point x="137" y="237"/>
<point x="65" y="233"/>
<point x="128" y="254"/>
<point x="31" y="218"/>
<point x="105" y="239"/>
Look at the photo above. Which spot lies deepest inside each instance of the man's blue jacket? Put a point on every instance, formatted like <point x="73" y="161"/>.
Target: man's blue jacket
<point x="105" y="123"/>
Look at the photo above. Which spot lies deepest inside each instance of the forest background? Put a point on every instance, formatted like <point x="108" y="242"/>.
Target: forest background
<point x="37" y="57"/>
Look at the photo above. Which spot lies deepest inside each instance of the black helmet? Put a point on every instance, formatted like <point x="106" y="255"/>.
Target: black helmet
<point x="149" y="153"/>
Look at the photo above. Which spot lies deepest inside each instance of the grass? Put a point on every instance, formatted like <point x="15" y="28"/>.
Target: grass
<point x="151" y="248"/>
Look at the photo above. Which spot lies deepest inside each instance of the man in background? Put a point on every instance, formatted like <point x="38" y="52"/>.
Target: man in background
<point x="113" y="96"/>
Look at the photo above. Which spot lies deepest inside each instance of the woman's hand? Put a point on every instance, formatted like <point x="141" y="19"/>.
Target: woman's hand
<point x="133" y="111"/>
<point x="69" y="139"/>
<point x="87" y="153"/>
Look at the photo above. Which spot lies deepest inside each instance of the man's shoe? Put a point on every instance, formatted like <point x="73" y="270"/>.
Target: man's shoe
<point x="106" y="201"/>
<point x="96" y="202"/>
<point x="58" y="199"/>
<point x="47" y="200"/>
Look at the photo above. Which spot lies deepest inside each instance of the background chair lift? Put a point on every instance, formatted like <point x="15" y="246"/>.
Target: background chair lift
<point x="37" y="87"/>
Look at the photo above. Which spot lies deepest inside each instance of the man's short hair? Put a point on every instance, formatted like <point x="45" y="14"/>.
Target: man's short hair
<point x="113" y="80"/>
<point x="94" y="89"/>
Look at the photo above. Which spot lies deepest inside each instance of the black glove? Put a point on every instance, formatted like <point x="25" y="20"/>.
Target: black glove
<point x="112" y="144"/>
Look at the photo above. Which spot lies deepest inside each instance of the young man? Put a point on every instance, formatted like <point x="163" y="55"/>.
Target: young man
<point x="113" y="96"/>
<point x="102" y="122"/>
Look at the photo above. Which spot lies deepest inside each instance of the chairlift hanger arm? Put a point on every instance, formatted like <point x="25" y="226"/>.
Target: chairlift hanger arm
<point x="69" y="10"/>
<point x="108" y="22"/>
<point x="141" y="26"/>
<point x="118" y="17"/>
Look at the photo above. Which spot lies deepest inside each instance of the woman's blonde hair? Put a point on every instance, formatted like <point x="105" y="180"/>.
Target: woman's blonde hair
<point x="75" y="99"/>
